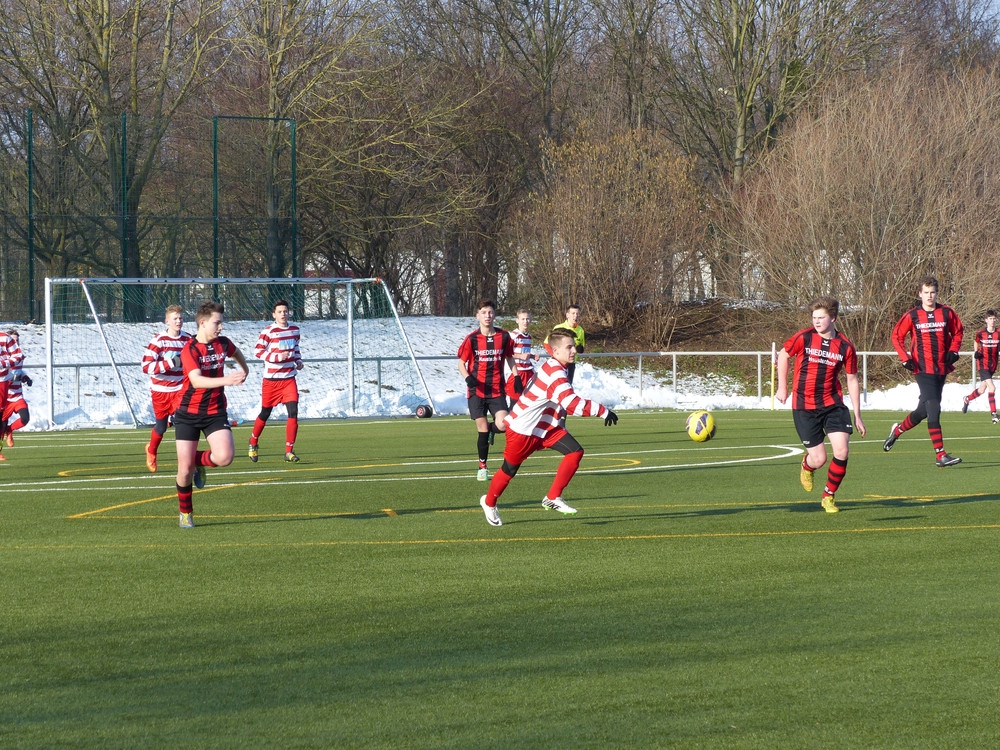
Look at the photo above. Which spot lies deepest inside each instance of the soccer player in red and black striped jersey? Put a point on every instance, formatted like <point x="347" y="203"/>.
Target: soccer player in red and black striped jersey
<point x="935" y="332"/>
<point x="820" y="354"/>
<point x="481" y="359"/>
<point x="278" y="346"/>
<point x="162" y="362"/>
<point x="202" y="405"/>
<point x="987" y="346"/>
<point x="538" y="421"/>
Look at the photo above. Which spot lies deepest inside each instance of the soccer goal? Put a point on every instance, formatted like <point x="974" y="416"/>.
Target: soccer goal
<point x="358" y="361"/>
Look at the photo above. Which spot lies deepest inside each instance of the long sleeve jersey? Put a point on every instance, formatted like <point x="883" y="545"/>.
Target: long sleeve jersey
<point x="543" y="407"/>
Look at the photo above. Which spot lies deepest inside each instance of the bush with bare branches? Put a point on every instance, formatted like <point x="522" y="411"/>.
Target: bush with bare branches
<point x="884" y="183"/>
<point x="618" y="232"/>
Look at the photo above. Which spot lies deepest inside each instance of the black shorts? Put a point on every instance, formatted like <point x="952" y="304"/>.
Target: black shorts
<point x="191" y="426"/>
<point x="931" y="386"/>
<point x="813" y="424"/>
<point x="985" y="375"/>
<point x="479" y="407"/>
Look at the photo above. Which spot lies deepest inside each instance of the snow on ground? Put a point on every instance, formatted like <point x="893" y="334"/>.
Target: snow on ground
<point x="440" y="337"/>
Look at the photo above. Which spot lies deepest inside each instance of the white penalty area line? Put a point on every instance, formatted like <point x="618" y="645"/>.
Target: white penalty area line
<point x="285" y="476"/>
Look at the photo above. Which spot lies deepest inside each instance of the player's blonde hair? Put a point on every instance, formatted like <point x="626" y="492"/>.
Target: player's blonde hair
<point x="173" y="309"/>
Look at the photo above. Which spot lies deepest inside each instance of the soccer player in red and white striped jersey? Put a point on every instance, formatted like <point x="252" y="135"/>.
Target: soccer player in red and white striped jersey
<point x="11" y="358"/>
<point x="278" y="346"/>
<point x="481" y="359"/>
<point x="821" y="353"/>
<point x="524" y="367"/>
<point x="162" y="362"/>
<point x="538" y="421"/>
<point x="16" y="403"/>
<point x="935" y="333"/>
<point x="987" y="352"/>
<point x="202" y="405"/>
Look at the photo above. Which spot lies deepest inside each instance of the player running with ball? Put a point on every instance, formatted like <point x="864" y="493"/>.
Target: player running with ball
<point x="537" y="421"/>
<point x="202" y="405"/>
<point x="820" y="353"/>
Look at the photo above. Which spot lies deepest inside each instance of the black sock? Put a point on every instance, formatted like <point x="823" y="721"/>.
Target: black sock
<point x="484" y="446"/>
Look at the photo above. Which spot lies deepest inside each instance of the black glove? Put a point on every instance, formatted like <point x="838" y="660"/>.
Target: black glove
<point x="174" y="361"/>
<point x="518" y="384"/>
<point x="908" y="364"/>
<point x="951" y="358"/>
<point x="610" y="419"/>
<point x="978" y="355"/>
<point x="25" y="380"/>
<point x="470" y="380"/>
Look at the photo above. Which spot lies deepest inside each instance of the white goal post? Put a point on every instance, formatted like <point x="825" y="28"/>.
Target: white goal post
<point x="358" y="360"/>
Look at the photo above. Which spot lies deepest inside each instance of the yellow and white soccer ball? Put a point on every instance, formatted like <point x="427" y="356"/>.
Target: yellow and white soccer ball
<point x="700" y="426"/>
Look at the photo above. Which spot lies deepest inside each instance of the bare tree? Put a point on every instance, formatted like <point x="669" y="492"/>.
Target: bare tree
<point x="105" y="80"/>
<point x="618" y="230"/>
<point x="888" y="182"/>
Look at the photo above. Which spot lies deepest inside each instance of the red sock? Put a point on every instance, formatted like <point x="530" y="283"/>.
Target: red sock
<point x="258" y="427"/>
<point x="805" y="463"/>
<point x="184" y="499"/>
<point x="291" y="431"/>
<point x="993" y="406"/>
<point x="204" y="458"/>
<point x="907" y="424"/>
<point x="974" y="395"/>
<point x="567" y="468"/>
<point x="834" y="476"/>
<point x="155" y="439"/>
<point x="18" y="423"/>
<point x="936" y="438"/>
<point x="498" y="484"/>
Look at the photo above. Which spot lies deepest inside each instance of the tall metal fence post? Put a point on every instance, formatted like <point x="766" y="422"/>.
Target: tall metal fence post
<point x="31" y="215"/>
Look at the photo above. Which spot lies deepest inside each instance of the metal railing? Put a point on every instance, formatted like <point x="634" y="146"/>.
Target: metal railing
<point x="763" y="358"/>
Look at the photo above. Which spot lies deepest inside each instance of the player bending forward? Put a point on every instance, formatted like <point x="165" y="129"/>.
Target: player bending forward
<point x="537" y="421"/>
<point x="278" y="346"/>
<point x="162" y="362"/>
<point x="202" y="405"/>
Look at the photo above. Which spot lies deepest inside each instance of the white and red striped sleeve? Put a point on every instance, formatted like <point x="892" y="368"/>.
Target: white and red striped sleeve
<point x="164" y="377"/>
<point x="542" y="408"/>
<point x="273" y="346"/>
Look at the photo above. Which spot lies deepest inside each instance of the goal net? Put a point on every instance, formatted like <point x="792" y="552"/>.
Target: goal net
<point x="358" y="361"/>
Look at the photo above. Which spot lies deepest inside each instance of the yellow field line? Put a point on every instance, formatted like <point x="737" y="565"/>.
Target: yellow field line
<point x="164" y="497"/>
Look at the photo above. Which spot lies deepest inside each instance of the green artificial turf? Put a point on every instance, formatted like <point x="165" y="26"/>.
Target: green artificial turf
<point x="699" y="599"/>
